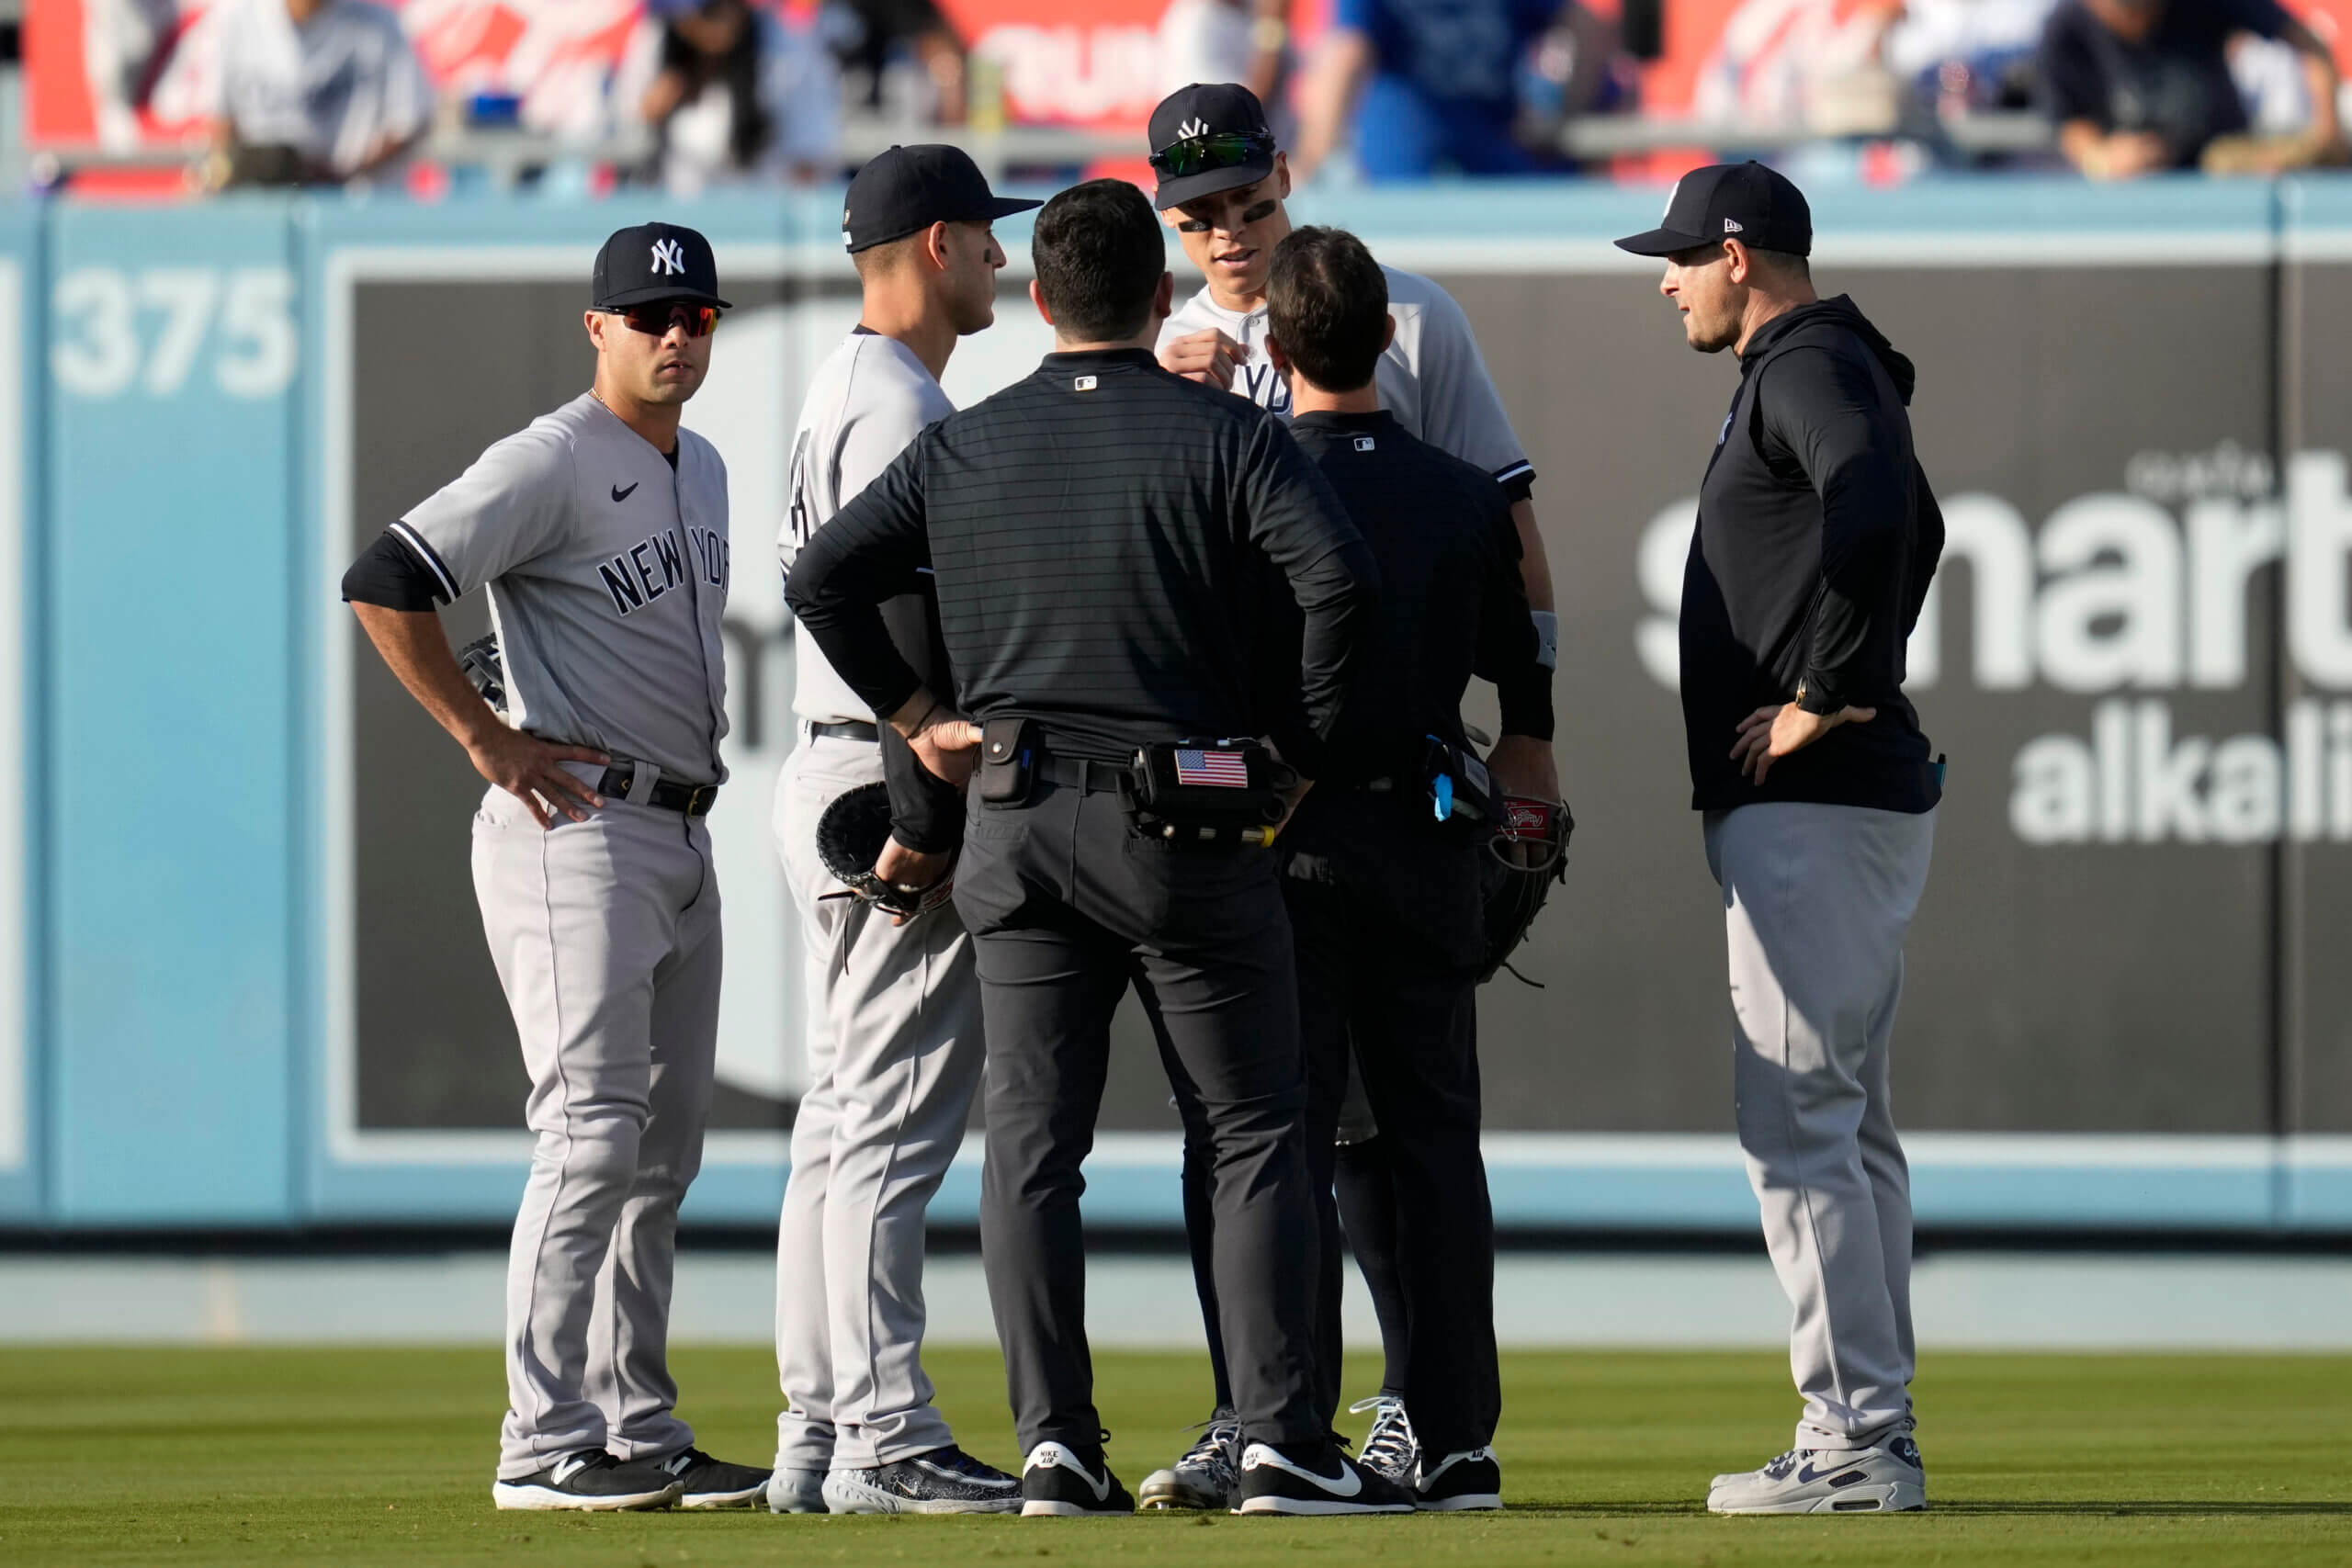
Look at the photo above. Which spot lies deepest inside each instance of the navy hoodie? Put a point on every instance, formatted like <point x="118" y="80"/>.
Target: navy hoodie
<point x="1817" y="535"/>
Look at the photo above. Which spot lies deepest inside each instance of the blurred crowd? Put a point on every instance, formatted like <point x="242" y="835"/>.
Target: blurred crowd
<point x="711" y="92"/>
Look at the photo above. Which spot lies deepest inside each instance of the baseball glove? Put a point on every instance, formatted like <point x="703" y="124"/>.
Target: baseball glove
<point x="849" y="836"/>
<point x="1529" y="853"/>
<point x="486" y="669"/>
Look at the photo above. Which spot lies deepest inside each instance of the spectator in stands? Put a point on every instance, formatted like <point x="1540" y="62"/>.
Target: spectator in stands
<point x="1428" y="85"/>
<point x="1814" y="65"/>
<point x="1228" y="40"/>
<point x="2136" y="86"/>
<point x="882" y="37"/>
<point x="733" y="94"/>
<point x="315" y="92"/>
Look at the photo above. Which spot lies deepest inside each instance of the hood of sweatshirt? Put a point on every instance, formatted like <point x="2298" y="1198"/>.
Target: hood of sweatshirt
<point x="1839" y="314"/>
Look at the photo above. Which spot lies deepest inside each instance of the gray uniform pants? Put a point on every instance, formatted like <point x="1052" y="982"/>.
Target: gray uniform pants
<point x="1070" y="909"/>
<point x="893" y="1031"/>
<point x="606" y="938"/>
<point x="1816" y="899"/>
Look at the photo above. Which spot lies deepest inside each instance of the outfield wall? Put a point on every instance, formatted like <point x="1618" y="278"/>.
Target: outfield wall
<point x="253" y="990"/>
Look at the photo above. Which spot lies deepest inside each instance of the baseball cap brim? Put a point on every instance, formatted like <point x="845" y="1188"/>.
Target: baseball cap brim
<point x="1208" y="182"/>
<point x="655" y="292"/>
<point x="1659" y="242"/>
<point x="994" y="208"/>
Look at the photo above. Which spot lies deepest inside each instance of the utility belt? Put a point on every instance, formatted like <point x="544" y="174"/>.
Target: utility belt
<point x="1451" y="779"/>
<point x="1189" y="792"/>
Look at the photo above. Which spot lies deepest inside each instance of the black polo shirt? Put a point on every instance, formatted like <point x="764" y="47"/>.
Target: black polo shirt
<point x="1099" y="532"/>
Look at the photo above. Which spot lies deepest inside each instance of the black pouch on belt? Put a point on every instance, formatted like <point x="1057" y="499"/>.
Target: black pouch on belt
<point x="1208" y="791"/>
<point x="1459" y="785"/>
<point x="1008" y="759"/>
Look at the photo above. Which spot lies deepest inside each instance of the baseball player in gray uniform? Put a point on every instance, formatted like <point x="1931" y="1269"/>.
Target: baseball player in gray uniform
<point x="1222" y="186"/>
<point x="893" y="1006"/>
<point x="600" y="535"/>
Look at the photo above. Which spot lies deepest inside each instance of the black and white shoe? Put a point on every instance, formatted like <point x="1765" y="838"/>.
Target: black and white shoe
<point x="1888" y="1478"/>
<point x="708" y="1482"/>
<point x="1058" y="1482"/>
<point x="590" y="1481"/>
<point x="1460" y="1482"/>
<point x="944" y="1480"/>
<point x="1331" y="1483"/>
<point x="1390" y="1449"/>
<point x="1203" y="1478"/>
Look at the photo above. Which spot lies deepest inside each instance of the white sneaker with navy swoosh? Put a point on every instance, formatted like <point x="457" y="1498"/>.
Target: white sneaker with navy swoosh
<point x="1888" y="1478"/>
<point x="1058" y="1483"/>
<point x="1331" y="1483"/>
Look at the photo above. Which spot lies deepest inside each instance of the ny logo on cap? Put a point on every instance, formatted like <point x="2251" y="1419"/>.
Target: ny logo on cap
<point x="1731" y="226"/>
<point x="669" y="258"/>
<point x="1191" y="127"/>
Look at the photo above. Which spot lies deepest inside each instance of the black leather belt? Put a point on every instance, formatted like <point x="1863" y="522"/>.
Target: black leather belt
<point x="1082" y="774"/>
<point x="848" y="729"/>
<point x="669" y="795"/>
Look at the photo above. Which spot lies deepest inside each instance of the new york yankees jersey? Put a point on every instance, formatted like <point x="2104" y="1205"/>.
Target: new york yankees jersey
<point x="1432" y="378"/>
<point x="868" y="398"/>
<point x="607" y="574"/>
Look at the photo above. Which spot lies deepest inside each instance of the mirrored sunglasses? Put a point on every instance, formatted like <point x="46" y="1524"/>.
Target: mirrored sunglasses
<point x="1200" y="155"/>
<point x="655" y="321"/>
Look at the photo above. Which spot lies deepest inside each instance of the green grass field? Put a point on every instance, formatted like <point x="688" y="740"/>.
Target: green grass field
<point x="117" y="1456"/>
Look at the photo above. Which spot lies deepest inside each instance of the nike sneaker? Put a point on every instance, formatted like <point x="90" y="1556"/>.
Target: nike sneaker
<point x="707" y="1482"/>
<point x="1888" y="1478"/>
<point x="590" y="1481"/>
<point x="1459" y="1483"/>
<point x="1058" y="1482"/>
<point x="1204" y="1477"/>
<point x="1390" y="1447"/>
<point x="944" y="1480"/>
<point x="1327" y="1483"/>
<point x="797" y="1492"/>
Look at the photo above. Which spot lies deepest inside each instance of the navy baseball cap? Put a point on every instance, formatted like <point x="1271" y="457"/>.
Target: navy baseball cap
<point x="1207" y="138"/>
<point x="1747" y="202"/>
<point x="654" y="262"/>
<point x="908" y="189"/>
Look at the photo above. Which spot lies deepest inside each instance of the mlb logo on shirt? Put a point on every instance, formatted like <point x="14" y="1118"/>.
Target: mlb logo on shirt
<point x="1364" y="444"/>
<point x="1219" y="769"/>
<point x="1084" y="383"/>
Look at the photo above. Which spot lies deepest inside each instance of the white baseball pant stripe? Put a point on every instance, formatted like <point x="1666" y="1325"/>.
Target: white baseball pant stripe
<point x="605" y="935"/>
<point x="893" y="1028"/>
<point x="1816" y="900"/>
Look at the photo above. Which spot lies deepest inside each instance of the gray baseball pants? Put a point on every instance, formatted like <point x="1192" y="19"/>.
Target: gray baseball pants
<point x="1816" y="900"/>
<point x="893" y="1031"/>
<point x="606" y="935"/>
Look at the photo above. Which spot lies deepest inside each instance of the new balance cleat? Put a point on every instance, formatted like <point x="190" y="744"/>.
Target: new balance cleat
<point x="707" y="1482"/>
<point x="1273" y="1483"/>
<point x="1057" y="1482"/>
<point x="944" y="1480"/>
<point x="1460" y="1482"/>
<point x="1203" y="1478"/>
<point x="1390" y="1447"/>
<point x="590" y="1481"/>
<point x="797" y="1492"/>
<point x="1889" y="1479"/>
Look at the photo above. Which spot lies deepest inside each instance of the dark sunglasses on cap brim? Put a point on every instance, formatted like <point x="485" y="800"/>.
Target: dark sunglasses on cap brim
<point x="657" y="320"/>
<point x="1200" y="154"/>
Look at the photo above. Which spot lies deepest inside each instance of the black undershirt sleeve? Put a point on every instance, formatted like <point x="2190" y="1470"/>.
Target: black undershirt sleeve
<point x="388" y="574"/>
<point x="1508" y="648"/>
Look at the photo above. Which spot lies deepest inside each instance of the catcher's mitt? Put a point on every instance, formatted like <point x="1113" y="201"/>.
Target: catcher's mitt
<point x="849" y="836"/>
<point x="1528" y="852"/>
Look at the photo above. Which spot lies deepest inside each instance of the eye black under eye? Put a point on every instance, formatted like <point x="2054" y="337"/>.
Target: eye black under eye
<point x="1193" y="226"/>
<point x="1259" y="212"/>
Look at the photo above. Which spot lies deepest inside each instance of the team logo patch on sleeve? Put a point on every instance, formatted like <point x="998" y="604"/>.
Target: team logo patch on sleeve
<point x="1219" y="769"/>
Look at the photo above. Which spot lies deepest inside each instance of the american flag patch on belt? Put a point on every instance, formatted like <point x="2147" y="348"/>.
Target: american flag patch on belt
<point x="1224" y="770"/>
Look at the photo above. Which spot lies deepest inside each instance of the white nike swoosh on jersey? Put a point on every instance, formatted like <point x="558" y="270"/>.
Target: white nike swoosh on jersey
<point x="1347" y="1483"/>
<point x="1053" y="1455"/>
